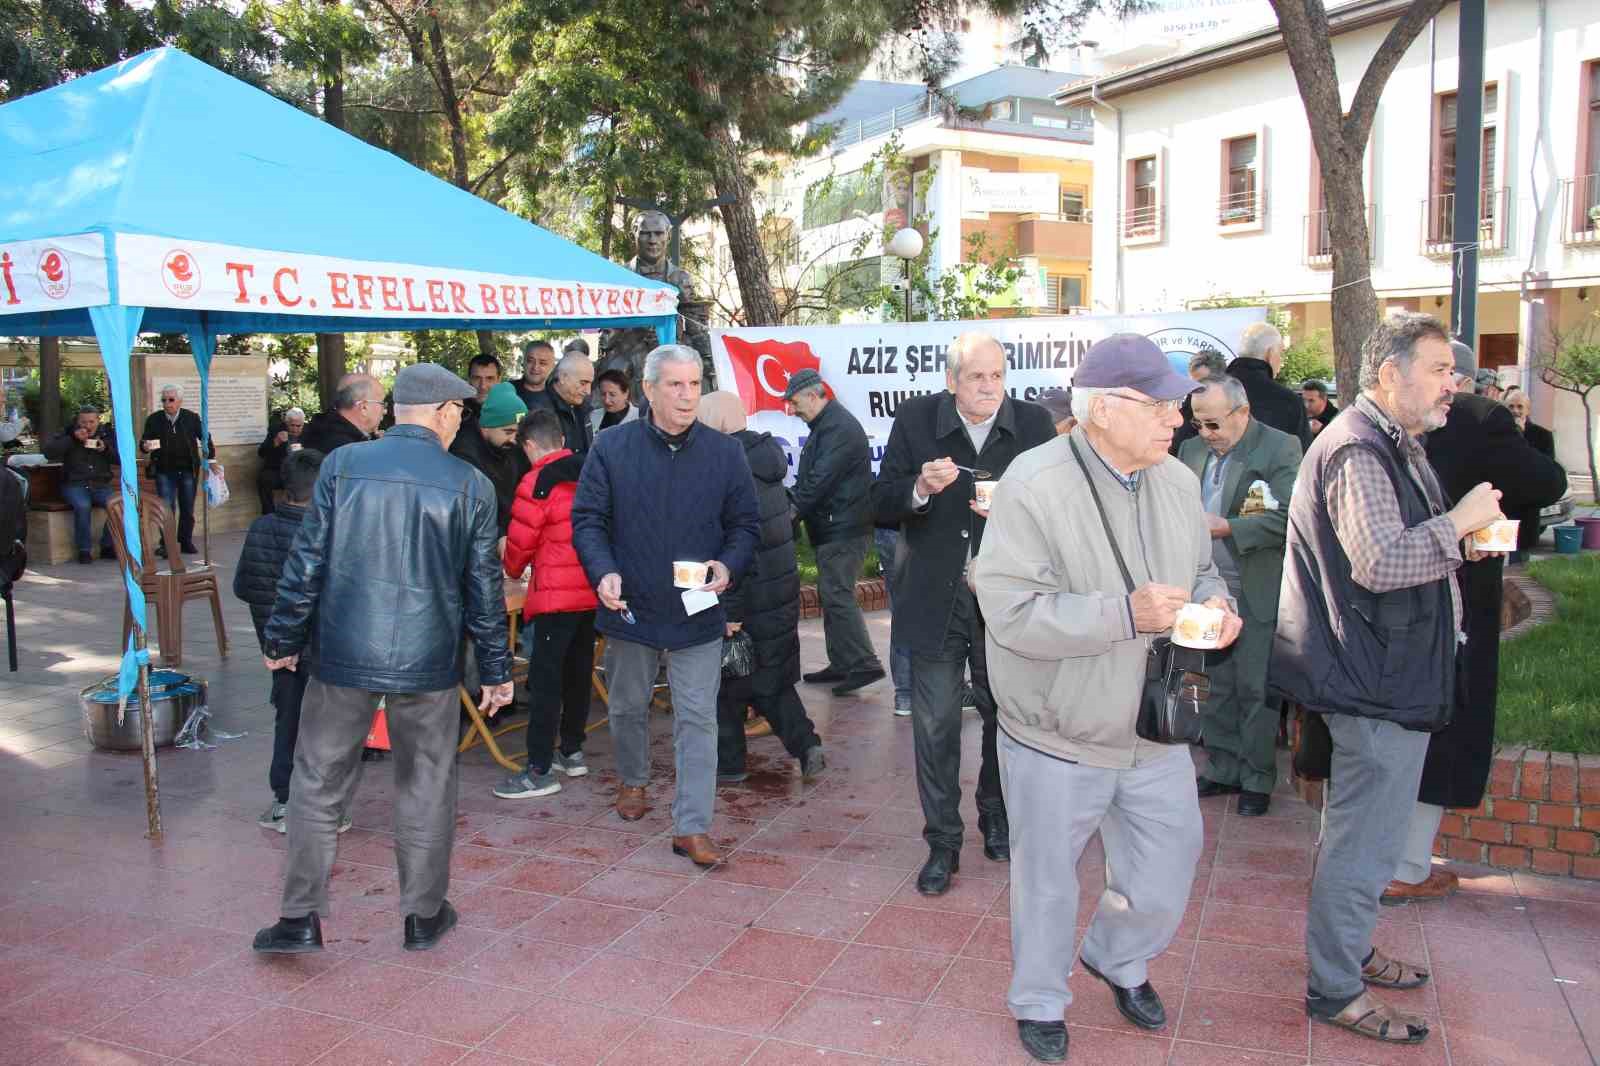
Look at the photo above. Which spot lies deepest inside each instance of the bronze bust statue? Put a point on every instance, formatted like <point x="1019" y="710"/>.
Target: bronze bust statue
<point x="625" y="349"/>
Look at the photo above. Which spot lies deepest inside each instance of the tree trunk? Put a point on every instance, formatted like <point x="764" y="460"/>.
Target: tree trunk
<point x="1588" y="445"/>
<point x="50" y="388"/>
<point x="744" y="231"/>
<point x="1354" y="303"/>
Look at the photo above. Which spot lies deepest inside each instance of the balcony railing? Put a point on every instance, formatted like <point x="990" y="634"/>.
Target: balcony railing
<point x="1143" y="223"/>
<point x="1438" y="223"/>
<point x="1580" y="210"/>
<point x="1319" y="238"/>
<point x="1242" y="208"/>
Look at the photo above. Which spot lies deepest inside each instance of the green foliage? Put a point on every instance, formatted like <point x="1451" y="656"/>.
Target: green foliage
<point x="79" y="387"/>
<point x="1309" y="357"/>
<point x="450" y="348"/>
<point x="840" y="196"/>
<point x="46" y="42"/>
<point x="319" y="38"/>
<point x="296" y="384"/>
<point x="1549" y="692"/>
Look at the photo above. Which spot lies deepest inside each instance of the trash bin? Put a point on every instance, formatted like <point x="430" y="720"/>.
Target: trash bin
<point x="1569" y="539"/>
<point x="1591" y="530"/>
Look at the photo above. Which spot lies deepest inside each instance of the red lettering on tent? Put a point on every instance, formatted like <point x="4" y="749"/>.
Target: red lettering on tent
<point x="487" y="297"/>
<point x="364" y="291"/>
<point x="611" y="301"/>
<point x="458" y="297"/>
<point x="547" y="300"/>
<point x="339" y="289"/>
<point x="389" y="287"/>
<point x="5" y="273"/>
<point x="411" y="304"/>
<point x="565" y="302"/>
<point x="436" y="296"/>
<point x="284" y="299"/>
<point x="508" y="299"/>
<point x="527" y="300"/>
<point x="240" y="271"/>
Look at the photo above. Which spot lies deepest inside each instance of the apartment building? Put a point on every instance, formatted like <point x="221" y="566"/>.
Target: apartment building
<point x="1208" y="185"/>
<point x="1004" y="161"/>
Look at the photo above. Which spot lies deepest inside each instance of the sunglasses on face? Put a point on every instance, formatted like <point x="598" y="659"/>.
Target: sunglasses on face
<point x="1208" y="425"/>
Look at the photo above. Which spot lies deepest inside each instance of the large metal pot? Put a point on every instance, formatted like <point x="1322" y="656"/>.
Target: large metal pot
<point x="172" y="696"/>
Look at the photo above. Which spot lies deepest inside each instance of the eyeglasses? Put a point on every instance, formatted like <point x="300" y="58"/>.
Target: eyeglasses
<point x="457" y="404"/>
<point x="1161" y="406"/>
<point x="1212" y="426"/>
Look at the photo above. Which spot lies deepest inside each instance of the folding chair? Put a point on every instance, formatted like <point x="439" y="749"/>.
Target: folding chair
<point x="478" y="729"/>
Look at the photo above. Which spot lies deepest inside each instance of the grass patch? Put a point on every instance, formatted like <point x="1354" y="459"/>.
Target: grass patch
<point x="806" y="555"/>
<point x="1549" y="687"/>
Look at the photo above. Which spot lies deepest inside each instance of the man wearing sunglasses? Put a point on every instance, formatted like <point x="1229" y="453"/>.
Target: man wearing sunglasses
<point x="1246" y="471"/>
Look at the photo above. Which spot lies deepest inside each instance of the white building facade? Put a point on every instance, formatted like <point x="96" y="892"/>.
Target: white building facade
<point x="1209" y="187"/>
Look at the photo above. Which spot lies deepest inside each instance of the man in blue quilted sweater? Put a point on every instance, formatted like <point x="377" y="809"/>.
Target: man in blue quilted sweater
<point x="654" y="492"/>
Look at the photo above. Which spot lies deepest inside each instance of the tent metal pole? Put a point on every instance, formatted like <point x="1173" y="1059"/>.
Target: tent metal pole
<point x="147" y="744"/>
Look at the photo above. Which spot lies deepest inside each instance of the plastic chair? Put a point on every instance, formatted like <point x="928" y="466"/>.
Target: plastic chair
<point x="166" y="588"/>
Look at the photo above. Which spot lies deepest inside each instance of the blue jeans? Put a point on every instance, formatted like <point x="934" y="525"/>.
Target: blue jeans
<point x="178" y="491"/>
<point x="888" y="544"/>
<point x="84" y="498"/>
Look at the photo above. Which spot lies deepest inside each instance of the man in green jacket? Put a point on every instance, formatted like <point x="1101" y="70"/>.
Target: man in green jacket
<point x="1246" y="471"/>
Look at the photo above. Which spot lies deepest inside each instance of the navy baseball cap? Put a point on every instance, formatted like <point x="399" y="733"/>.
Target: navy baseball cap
<point x="1130" y="361"/>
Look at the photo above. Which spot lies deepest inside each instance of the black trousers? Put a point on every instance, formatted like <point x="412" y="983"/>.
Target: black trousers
<point x="267" y="480"/>
<point x="936" y="684"/>
<point x="560" y="664"/>
<point x="288" y="689"/>
<point x="782" y="710"/>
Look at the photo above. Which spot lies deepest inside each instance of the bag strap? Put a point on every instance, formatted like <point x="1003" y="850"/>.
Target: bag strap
<point x="1100" y="507"/>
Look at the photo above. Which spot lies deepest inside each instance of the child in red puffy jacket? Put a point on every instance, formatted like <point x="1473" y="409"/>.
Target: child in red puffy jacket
<point x="560" y="608"/>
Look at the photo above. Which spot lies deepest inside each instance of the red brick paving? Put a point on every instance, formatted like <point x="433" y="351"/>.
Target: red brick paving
<point x="584" y="941"/>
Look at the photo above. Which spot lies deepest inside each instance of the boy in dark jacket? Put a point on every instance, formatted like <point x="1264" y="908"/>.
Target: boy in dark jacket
<point x="562" y="657"/>
<point x="255" y="581"/>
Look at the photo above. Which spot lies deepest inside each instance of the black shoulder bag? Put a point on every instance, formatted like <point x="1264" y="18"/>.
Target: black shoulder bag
<point x="1175" y="685"/>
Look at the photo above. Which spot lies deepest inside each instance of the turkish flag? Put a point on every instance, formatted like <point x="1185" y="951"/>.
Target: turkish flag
<point x="761" y="369"/>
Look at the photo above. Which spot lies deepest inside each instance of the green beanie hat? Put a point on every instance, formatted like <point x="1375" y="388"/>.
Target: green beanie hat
<point x="503" y="407"/>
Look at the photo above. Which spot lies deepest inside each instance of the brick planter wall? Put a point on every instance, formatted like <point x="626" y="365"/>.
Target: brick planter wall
<point x="869" y="594"/>
<point x="1541" y="812"/>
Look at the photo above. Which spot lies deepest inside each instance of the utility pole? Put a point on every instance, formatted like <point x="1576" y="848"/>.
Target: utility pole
<point x="1465" y="214"/>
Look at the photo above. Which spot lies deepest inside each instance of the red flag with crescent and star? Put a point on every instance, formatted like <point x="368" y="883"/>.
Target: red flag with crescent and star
<point x="761" y="369"/>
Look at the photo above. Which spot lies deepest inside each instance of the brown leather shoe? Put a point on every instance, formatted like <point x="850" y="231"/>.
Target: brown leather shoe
<point x="631" y="803"/>
<point x="1438" y="885"/>
<point x="698" y="849"/>
<point x="757" y="726"/>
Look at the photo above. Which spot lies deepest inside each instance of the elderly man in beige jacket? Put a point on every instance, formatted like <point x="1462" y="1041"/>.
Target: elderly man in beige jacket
<point x="1067" y="643"/>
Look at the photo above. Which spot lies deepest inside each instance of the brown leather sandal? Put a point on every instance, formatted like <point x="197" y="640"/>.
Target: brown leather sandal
<point x="1377" y="1020"/>
<point x="1384" y="972"/>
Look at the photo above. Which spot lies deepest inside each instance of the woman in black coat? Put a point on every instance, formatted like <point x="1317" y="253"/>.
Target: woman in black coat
<point x="1543" y="442"/>
<point x="766" y="604"/>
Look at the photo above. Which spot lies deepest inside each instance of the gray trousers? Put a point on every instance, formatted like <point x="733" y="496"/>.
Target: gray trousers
<point x="1377" y="767"/>
<point x="843" y="629"/>
<point x="1241" y="732"/>
<point x="1149" y="821"/>
<point x="695" y="674"/>
<point x="423" y="732"/>
<point x="1416" y="859"/>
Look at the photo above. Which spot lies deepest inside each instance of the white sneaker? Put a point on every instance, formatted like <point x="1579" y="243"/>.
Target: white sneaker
<point x="275" y="817"/>
<point x="902" y="710"/>
<point x="571" y="765"/>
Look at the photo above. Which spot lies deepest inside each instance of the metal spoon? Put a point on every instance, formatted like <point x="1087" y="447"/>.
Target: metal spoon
<point x="977" y="475"/>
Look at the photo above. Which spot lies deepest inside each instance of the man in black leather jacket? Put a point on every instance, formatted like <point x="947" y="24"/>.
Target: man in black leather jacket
<point x="830" y="497"/>
<point x="395" y="559"/>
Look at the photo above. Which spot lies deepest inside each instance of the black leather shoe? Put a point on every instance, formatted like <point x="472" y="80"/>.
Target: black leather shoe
<point x="108" y="553"/>
<point x="424" y="933"/>
<point x="1207" y="787"/>
<point x="1045" y="1041"/>
<point x="826" y="676"/>
<point x="291" y="936"/>
<point x="1253" y="804"/>
<point x="858" y="679"/>
<point x="1141" y="1005"/>
<point x="188" y="548"/>
<point x="934" y="878"/>
<point x="996" y="830"/>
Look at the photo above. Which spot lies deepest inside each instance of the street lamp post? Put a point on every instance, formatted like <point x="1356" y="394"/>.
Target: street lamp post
<point x="906" y="245"/>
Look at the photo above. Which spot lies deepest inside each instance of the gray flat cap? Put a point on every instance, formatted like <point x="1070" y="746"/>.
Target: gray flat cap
<point x="804" y="378"/>
<point x="1466" y="359"/>
<point x="429" y="383"/>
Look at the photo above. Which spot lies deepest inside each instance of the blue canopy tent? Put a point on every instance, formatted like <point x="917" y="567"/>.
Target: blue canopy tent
<point x="161" y="195"/>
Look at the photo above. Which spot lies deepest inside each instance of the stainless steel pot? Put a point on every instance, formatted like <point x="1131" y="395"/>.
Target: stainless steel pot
<point x="172" y="696"/>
